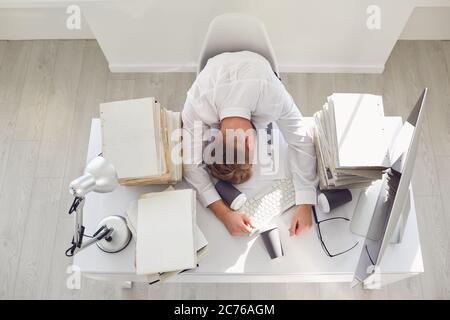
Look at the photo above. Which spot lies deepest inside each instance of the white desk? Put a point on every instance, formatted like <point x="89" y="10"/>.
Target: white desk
<point x="243" y="259"/>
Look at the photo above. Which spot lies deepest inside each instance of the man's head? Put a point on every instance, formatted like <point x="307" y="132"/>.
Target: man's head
<point x="238" y="140"/>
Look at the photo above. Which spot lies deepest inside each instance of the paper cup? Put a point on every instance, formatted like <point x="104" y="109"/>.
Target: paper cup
<point x="331" y="199"/>
<point x="272" y="242"/>
<point x="232" y="196"/>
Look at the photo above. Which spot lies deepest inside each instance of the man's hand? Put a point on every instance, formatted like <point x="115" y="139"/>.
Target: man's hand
<point x="301" y="221"/>
<point x="236" y="223"/>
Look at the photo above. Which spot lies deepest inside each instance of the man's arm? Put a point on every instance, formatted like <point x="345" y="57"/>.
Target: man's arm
<point x="193" y="169"/>
<point x="302" y="162"/>
<point x="301" y="152"/>
<point x="197" y="176"/>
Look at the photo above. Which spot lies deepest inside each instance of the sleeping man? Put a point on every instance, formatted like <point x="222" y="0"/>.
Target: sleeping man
<point x="232" y="92"/>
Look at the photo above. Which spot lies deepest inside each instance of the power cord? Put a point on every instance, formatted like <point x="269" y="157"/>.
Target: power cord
<point x="368" y="254"/>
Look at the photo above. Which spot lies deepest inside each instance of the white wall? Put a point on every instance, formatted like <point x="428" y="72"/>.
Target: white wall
<point x="39" y="23"/>
<point x="428" y="23"/>
<point x="166" y="35"/>
<point x="308" y="36"/>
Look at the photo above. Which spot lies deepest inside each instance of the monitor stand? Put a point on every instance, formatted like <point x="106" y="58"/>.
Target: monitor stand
<point x="365" y="208"/>
<point x="371" y="204"/>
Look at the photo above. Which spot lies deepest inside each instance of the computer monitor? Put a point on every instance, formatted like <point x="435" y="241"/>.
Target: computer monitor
<point x="392" y="207"/>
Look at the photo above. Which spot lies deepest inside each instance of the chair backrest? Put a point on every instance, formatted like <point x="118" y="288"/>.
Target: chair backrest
<point x="233" y="32"/>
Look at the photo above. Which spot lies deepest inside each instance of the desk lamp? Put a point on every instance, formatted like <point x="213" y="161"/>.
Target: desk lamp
<point x="112" y="233"/>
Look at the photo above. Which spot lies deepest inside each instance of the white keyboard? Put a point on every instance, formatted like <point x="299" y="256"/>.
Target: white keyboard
<point x="270" y="203"/>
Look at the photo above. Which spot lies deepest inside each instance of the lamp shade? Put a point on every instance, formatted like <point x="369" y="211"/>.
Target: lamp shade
<point x="99" y="176"/>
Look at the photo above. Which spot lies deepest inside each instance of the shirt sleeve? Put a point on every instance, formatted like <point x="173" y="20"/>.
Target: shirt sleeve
<point x="301" y="152"/>
<point x="194" y="170"/>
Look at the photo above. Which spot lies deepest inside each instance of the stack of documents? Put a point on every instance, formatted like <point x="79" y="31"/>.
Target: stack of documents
<point x="168" y="239"/>
<point x="138" y="137"/>
<point x="350" y="141"/>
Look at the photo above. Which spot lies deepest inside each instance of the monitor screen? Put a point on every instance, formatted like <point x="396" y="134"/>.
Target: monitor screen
<point x="394" y="198"/>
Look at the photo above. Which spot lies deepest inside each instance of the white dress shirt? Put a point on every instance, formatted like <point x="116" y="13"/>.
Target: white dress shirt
<point x="242" y="84"/>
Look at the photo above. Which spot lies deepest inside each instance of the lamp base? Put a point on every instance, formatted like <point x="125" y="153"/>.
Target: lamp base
<point x="120" y="238"/>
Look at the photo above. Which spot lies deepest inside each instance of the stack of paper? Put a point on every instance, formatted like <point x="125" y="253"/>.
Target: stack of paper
<point x="168" y="239"/>
<point x="201" y="244"/>
<point x="350" y="140"/>
<point x="142" y="141"/>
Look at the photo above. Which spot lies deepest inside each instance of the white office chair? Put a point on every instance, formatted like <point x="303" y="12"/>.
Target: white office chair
<point x="233" y="32"/>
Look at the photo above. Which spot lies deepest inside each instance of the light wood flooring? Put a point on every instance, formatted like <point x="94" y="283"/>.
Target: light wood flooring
<point x="50" y="90"/>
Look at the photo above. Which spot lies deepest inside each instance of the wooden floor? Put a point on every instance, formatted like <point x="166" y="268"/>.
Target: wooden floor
<point x="50" y="90"/>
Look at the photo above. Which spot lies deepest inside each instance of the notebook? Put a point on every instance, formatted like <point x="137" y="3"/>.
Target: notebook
<point x="165" y="236"/>
<point x="352" y="139"/>
<point x="132" y="216"/>
<point x="130" y="135"/>
<point x="142" y="140"/>
<point x="359" y="139"/>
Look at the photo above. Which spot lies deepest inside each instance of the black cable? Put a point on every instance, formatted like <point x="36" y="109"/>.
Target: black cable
<point x="76" y="202"/>
<point x="69" y="252"/>
<point x="368" y="254"/>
